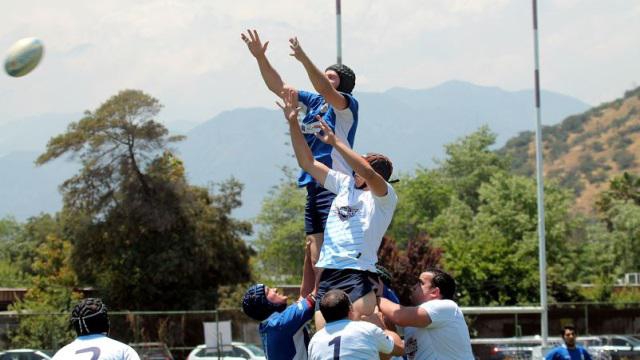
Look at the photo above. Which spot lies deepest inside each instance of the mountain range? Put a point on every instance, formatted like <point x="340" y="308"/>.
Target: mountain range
<point x="251" y="144"/>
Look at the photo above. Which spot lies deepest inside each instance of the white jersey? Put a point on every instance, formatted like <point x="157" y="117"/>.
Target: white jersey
<point x="356" y="223"/>
<point x="96" y="347"/>
<point x="346" y="339"/>
<point x="446" y="338"/>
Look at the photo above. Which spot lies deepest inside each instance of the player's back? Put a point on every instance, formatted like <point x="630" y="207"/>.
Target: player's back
<point x="346" y="339"/>
<point x="96" y="347"/>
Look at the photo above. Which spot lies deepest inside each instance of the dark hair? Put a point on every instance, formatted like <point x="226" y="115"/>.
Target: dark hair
<point x="347" y="77"/>
<point x="90" y="316"/>
<point x="381" y="164"/>
<point x="335" y="305"/>
<point x="444" y="282"/>
<point x="567" y="327"/>
<point x="256" y="305"/>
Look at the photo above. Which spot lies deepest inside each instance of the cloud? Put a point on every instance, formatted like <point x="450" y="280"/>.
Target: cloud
<point x="189" y="55"/>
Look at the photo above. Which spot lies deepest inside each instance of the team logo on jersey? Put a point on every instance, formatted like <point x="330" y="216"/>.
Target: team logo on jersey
<point x="345" y="212"/>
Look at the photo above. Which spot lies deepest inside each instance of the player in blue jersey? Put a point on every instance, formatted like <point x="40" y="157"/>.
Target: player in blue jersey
<point x="337" y="107"/>
<point x="569" y="350"/>
<point x="359" y="216"/>
<point x="282" y="328"/>
<point x="90" y="320"/>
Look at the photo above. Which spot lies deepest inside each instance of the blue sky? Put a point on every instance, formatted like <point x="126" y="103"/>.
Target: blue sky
<point x="189" y="54"/>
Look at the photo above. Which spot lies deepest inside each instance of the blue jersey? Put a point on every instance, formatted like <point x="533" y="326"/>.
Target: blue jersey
<point x="343" y="123"/>
<point x="284" y="334"/>
<point x="563" y="353"/>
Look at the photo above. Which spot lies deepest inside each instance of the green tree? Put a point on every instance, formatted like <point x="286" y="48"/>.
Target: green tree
<point x="422" y="197"/>
<point x="280" y="240"/>
<point x="141" y="234"/>
<point x="51" y="291"/>
<point x="10" y="274"/>
<point x="470" y="162"/>
<point x="493" y="253"/>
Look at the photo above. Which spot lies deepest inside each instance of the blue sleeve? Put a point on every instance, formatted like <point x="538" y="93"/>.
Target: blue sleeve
<point x="551" y="355"/>
<point x="586" y="354"/>
<point x="390" y="295"/>
<point x="307" y="98"/>
<point x="296" y="315"/>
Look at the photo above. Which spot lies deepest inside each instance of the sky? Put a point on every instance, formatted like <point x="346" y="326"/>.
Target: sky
<point x="189" y="55"/>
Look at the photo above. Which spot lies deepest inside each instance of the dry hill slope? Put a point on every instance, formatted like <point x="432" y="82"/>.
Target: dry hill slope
<point x="584" y="151"/>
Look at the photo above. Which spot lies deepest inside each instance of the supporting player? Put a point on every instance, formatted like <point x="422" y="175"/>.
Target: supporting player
<point x="435" y="326"/>
<point x="90" y="320"/>
<point x="282" y="328"/>
<point x="359" y="216"/>
<point x="339" y="109"/>
<point x="343" y="338"/>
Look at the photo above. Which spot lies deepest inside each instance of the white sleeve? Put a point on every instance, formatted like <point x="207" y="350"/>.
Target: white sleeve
<point x="335" y="180"/>
<point x="131" y="354"/>
<point x="440" y="311"/>
<point x="384" y="343"/>
<point x="388" y="200"/>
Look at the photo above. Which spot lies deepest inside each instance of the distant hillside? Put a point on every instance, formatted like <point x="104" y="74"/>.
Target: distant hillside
<point x="410" y="126"/>
<point x="584" y="151"/>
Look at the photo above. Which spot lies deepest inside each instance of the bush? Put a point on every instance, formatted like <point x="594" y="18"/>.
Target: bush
<point x="624" y="159"/>
<point x="597" y="146"/>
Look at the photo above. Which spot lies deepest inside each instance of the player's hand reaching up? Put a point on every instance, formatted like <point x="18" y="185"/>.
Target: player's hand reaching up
<point x="254" y="44"/>
<point x="326" y="135"/>
<point x="290" y="107"/>
<point x="296" y="49"/>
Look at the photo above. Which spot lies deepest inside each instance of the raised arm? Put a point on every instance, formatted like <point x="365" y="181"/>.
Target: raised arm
<point x="318" y="79"/>
<point x="304" y="156"/>
<point x="375" y="182"/>
<point x="413" y="316"/>
<point x="270" y="76"/>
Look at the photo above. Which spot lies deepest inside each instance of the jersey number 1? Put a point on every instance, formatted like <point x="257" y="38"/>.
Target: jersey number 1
<point x="336" y="349"/>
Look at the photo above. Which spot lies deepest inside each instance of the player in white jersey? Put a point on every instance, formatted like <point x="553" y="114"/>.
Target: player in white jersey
<point x="435" y="327"/>
<point x="91" y="322"/>
<point x="343" y="338"/>
<point x="359" y="216"/>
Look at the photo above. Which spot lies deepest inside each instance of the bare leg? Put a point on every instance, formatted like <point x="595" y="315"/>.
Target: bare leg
<point x="314" y="244"/>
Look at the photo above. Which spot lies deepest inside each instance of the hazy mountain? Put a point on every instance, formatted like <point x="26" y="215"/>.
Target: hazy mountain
<point x="410" y="126"/>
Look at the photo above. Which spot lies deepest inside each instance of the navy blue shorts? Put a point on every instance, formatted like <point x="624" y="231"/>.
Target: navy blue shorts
<point x="356" y="283"/>
<point x="317" y="209"/>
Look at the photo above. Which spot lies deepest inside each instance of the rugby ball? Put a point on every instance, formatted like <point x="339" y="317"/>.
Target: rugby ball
<point x="23" y="56"/>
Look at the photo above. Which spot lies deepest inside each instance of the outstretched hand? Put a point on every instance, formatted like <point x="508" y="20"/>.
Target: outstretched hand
<point x="290" y="107"/>
<point x="296" y="49"/>
<point x="326" y="135"/>
<point x="253" y="43"/>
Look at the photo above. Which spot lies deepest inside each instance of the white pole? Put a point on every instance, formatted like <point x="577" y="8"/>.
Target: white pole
<point x="339" y="31"/>
<point x="544" y="327"/>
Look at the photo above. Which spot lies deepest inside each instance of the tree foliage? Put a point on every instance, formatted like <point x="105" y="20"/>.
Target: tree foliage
<point x="51" y="291"/>
<point x="281" y="237"/>
<point x="141" y="234"/>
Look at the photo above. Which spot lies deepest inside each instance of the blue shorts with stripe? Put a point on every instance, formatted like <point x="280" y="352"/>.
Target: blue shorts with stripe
<point x="317" y="209"/>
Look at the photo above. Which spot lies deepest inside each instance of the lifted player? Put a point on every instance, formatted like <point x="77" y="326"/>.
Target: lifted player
<point x="337" y="107"/>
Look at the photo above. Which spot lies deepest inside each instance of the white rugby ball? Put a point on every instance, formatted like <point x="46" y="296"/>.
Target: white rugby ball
<point x="23" y="56"/>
